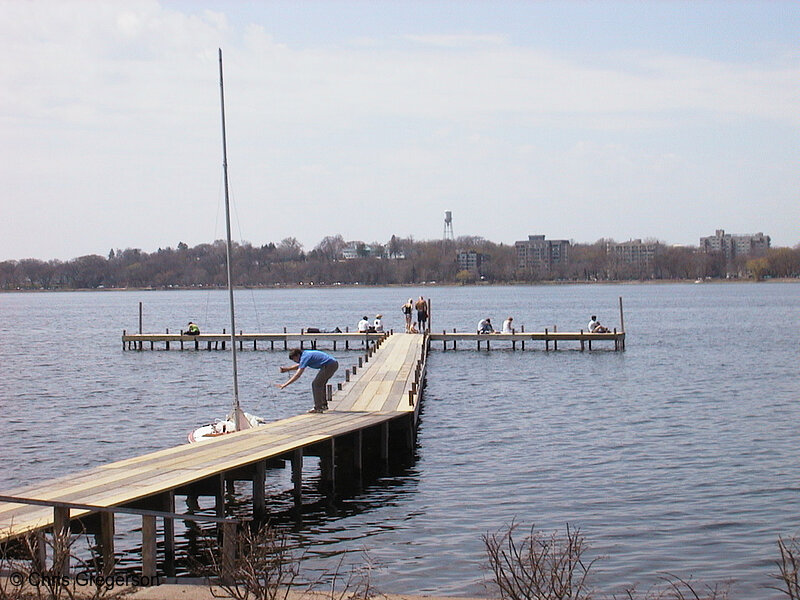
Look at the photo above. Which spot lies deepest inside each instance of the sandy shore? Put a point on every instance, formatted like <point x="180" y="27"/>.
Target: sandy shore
<point x="202" y="592"/>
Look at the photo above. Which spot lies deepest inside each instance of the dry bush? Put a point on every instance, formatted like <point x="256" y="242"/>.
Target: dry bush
<point x="356" y="585"/>
<point x="28" y="579"/>
<point x="788" y="567"/>
<point x="540" y="567"/>
<point x="264" y="568"/>
<point x="673" y="587"/>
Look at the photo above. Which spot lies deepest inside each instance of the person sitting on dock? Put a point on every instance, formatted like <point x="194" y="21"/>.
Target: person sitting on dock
<point x="363" y="325"/>
<point x="315" y="359"/>
<point x="507" y="325"/>
<point x="595" y="327"/>
<point x="378" y="323"/>
<point x="485" y="326"/>
<point x="192" y="329"/>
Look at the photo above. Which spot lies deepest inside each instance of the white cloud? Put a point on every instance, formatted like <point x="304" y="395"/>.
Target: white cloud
<point x="109" y="116"/>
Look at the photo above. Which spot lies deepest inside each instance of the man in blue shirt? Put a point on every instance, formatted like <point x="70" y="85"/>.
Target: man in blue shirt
<point x="315" y="359"/>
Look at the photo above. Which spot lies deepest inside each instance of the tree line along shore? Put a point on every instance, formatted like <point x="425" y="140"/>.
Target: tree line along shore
<point x="404" y="261"/>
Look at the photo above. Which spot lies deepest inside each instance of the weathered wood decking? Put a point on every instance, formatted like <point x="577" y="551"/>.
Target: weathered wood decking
<point x="372" y="407"/>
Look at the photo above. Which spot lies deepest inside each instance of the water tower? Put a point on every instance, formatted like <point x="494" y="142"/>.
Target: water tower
<point x="448" y="226"/>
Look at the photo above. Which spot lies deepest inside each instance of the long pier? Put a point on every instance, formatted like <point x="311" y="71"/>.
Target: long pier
<point x="218" y="341"/>
<point x="373" y="416"/>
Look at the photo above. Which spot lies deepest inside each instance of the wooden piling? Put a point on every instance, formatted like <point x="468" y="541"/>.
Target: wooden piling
<point x="148" y="546"/>
<point x="168" y="502"/>
<point x="61" y="550"/>
<point x="259" y="493"/>
<point x="297" y="473"/>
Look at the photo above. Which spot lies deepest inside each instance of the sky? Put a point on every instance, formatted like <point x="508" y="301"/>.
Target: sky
<point x="578" y="120"/>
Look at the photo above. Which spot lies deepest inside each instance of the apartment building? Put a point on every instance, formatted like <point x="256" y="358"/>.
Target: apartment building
<point x="538" y="253"/>
<point x="736" y="244"/>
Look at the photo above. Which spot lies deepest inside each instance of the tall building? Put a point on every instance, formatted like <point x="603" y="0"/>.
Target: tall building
<point x="737" y="244"/>
<point x="539" y="253"/>
<point x="633" y="252"/>
<point x="471" y="261"/>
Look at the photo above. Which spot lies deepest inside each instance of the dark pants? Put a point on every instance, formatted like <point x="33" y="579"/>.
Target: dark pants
<point x="319" y="383"/>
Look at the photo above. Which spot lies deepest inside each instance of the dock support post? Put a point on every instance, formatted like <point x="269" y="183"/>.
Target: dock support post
<point x="167" y="340"/>
<point x="522" y="329"/>
<point x="546" y="341"/>
<point x="259" y="481"/>
<point x="616" y="340"/>
<point x="582" y="342"/>
<point x="285" y="344"/>
<point x="297" y="474"/>
<point x="148" y="546"/>
<point x="140" y="323"/>
<point x="61" y="540"/>
<point x="169" y="535"/>
<point x="219" y="496"/>
<point x="327" y="463"/>
<point x="358" y="444"/>
<point x="328" y="393"/>
<point x="410" y="437"/>
<point x="555" y="342"/>
<point x="39" y="552"/>
<point x="228" y="550"/>
<point x="385" y="445"/>
<point x="621" y="316"/>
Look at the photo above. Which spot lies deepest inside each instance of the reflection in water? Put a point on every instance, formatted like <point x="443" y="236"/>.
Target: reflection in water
<point x="316" y="525"/>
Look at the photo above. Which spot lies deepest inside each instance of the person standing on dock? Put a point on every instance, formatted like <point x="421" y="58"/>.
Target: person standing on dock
<point x="422" y="313"/>
<point x="315" y="359"/>
<point x="408" y="310"/>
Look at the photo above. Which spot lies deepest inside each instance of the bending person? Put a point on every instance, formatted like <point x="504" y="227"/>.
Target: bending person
<point x="315" y="359"/>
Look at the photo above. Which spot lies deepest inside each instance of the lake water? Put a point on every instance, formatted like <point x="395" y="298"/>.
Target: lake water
<point x="679" y="455"/>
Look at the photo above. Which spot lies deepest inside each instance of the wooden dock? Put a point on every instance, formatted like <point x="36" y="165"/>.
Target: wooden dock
<point x="218" y="341"/>
<point x="373" y="416"/>
<point x="550" y="339"/>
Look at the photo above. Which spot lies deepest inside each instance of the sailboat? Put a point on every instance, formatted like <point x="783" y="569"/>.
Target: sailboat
<point x="237" y="419"/>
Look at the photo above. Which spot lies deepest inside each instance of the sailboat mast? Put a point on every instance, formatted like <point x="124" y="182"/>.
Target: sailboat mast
<point x="236" y="410"/>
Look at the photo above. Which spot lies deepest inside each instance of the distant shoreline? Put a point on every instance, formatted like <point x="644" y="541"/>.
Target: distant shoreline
<point x="413" y="285"/>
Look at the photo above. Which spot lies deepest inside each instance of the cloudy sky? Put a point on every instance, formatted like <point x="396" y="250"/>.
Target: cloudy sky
<point x="577" y="120"/>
